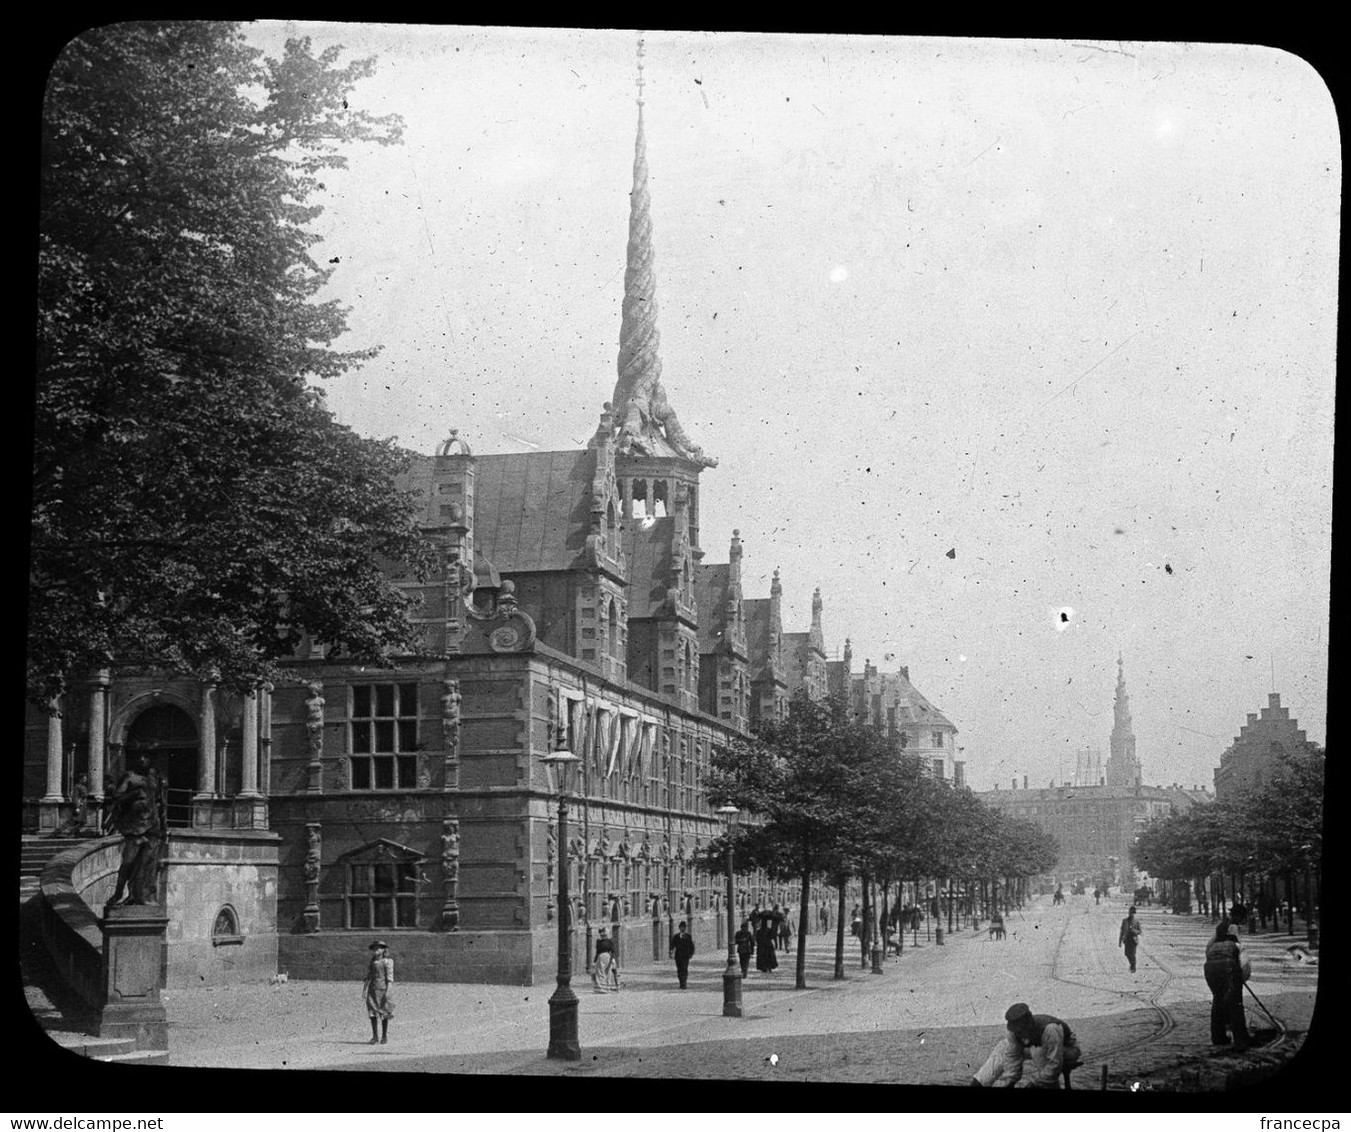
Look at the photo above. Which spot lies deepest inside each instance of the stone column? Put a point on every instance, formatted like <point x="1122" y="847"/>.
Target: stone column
<point x="314" y="737"/>
<point x="49" y="807"/>
<point x="248" y="770"/>
<point x="98" y="749"/>
<point x="265" y="739"/>
<point x="313" y="853"/>
<point x="206" y="752"/>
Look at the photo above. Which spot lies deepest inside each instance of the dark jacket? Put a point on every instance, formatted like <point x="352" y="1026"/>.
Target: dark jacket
<point x="1223" y="959"/>
<point x="745" y="942"/>
<point x="682" y="946"/>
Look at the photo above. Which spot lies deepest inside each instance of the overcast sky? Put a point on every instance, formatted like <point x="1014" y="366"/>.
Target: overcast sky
<point x="1066" y="309"/>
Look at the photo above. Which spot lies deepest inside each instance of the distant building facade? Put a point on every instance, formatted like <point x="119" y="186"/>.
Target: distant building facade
<point x="1254" y="757"/>
<point x="900" y="711"/>
<point x="1097" y="818"/>
<point x="1095" y="826"/>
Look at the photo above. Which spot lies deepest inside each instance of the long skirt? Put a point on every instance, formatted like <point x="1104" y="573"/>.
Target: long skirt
<point x="605" y="973"/>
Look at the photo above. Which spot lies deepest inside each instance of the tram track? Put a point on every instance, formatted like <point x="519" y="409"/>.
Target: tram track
<point x="1165" y="1020"/>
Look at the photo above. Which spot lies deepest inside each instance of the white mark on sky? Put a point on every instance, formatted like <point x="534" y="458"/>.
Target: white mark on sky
<point x="839" y="274"/>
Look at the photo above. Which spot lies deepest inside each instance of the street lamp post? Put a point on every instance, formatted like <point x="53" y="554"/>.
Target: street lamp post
<point x="731" y="978"/>
<point x="563" y="1002"/>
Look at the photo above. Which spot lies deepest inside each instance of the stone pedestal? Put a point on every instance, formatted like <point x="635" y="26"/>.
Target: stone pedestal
<point x="133" y="975"/>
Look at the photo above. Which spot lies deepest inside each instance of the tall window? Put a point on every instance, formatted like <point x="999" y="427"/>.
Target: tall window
<point x="384" y="736"/>
<point x="938" y="768"/>
<point x="938" y="738"/>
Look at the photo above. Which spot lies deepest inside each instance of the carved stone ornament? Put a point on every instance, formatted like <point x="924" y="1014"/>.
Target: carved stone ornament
<point x="450" y="717"/>
<point x="314" y="721"/>
<point x="514" y="630"/>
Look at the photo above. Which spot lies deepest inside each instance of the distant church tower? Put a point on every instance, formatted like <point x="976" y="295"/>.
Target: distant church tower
<point x="1123" y="768"/>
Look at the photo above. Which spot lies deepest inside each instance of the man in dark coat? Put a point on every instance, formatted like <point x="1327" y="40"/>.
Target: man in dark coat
<point x="682" y="947"/>
<point x="1129" y="937"/>
<point x="745" y="946"/>
<point x="1225" y="977"/>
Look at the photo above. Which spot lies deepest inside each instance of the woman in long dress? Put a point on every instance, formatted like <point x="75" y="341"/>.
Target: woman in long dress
<point x="378" y="991"/>
<point x="765" y="959"/>
<point x="604" y="968"/>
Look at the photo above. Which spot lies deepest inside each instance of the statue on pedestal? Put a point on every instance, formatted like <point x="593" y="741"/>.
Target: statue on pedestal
<point x="136" y="806"/>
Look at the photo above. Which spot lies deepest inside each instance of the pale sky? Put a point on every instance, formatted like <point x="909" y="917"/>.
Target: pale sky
<point x="1068" y="309"/>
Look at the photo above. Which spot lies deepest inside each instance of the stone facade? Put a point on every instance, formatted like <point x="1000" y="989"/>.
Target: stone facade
<point x="895" y="706"/>
<point x="571" y="606"/>
<point x="1094" y="825"/>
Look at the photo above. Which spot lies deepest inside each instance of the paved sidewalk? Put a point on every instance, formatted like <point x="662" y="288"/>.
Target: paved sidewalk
<point x="930" y="1018"/>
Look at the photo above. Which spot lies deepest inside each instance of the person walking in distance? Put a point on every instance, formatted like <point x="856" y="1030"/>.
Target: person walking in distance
<point x="1036" y="1052"/>
<point x="682" y="947"/>
<point x="1129" y="937"/>
<point x="377" y="989"/>
<point x="1226" y="973"/>
<point x="745" y="946"/>
<point x="765" y="935"/>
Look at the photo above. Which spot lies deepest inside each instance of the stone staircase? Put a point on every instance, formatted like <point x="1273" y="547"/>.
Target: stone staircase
<point x="35" y="853"/>
<point x="64" y="1019"/>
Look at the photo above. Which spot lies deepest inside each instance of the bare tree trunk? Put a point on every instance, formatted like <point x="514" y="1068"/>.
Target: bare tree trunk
<point x="803" y="914"/>
<point x="839" y="932"/>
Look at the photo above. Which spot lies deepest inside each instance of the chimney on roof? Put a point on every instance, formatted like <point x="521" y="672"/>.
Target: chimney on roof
<point x="1274" y="700"/>
<point x="1102" y="780"/>
<point x="905" y="672"/>
<point x="1015" y="782"/>
<point x="1024" y="782"/>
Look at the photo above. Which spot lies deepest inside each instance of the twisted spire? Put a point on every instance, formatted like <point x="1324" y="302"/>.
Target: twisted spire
<point x="647" y="423"/>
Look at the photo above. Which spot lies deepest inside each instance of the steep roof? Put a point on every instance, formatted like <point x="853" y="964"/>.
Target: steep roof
<point x="532" y="510"/>
<point x="649" y="551"/>
<point x="911" y="706"/>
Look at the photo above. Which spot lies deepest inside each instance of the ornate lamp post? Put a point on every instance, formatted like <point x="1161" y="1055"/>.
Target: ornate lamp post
<point x="563" y="1002"/>
<point x="731" y="978"/>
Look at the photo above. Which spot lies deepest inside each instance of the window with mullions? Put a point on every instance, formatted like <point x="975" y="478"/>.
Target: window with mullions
<point x="382" y="894"/>
<point x="384" y="736"/>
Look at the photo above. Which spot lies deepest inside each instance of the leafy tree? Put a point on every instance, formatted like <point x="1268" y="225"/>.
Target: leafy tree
<point x="195" y="506"/>
<point x="809" y="779"/>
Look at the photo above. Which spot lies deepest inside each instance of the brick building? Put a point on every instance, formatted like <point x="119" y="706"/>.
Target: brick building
<point x="573" y="602"/>
<point x="892" y="704"/>
<point x="1255" y="754"/>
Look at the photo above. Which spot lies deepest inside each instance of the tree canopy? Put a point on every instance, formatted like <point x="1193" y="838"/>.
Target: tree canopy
<point x="831" y="796"/>
<point x="1269" y="830"/>
<point x="195" y="505"/>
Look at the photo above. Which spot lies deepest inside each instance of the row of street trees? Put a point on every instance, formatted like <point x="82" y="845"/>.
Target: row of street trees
<point x="834" y="799"/>
<point x="1250" y="845"/>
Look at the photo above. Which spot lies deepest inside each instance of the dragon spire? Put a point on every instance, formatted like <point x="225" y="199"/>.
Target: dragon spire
<point x="646" y="422"/>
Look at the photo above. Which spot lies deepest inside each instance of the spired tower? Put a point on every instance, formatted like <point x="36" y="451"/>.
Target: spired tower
<point x="657" y="467"/>
<point x="1123" y="768"/>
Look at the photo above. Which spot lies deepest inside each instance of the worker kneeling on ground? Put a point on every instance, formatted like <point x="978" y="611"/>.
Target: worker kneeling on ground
<point x="1038" y="1050"/>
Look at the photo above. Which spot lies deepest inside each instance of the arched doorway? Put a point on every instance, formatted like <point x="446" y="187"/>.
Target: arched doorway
<point x="167" y="735"/>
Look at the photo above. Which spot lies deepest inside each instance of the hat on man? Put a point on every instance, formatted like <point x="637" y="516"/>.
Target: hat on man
<point x="377" y="944"/>
<point x="1017" y="1014"/>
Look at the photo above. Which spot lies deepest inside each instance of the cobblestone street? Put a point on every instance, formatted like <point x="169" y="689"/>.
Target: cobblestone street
<point x="931" y="1018"/>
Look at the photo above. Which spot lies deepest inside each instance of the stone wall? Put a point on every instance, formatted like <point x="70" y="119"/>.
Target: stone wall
<point x="207" y="871"/>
